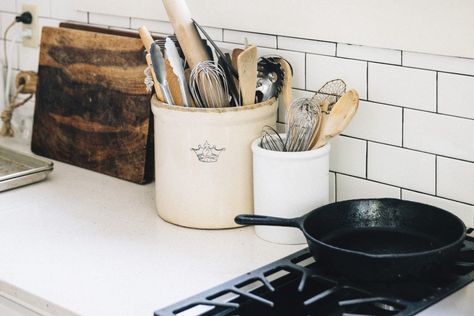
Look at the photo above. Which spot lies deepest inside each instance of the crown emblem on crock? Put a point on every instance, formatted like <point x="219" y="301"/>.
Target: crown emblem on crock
<point x="207" y="153"/>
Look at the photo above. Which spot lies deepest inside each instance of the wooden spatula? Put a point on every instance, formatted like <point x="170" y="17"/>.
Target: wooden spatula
<point x="247" y="69"/>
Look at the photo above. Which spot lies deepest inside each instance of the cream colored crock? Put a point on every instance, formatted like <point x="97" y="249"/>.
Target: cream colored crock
<point x="203" y="162"/>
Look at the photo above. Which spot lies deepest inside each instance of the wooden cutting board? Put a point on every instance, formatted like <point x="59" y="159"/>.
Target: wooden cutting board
<point x="92" y="109"/>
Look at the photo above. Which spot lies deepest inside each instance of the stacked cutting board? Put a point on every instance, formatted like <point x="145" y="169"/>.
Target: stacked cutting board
<point x="92" y="109"/>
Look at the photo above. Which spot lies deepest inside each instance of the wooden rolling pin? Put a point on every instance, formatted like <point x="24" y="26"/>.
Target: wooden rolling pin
<point x="186" y="33"/>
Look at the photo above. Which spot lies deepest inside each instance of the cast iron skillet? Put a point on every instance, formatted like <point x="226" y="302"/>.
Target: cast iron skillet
<point x="376" y="239"/>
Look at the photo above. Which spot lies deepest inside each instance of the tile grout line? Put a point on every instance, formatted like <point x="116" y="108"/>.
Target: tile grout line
<point x="436" y="95"/>
<point x="335" y="186"/>
<point x="403" y="188"/>
<point x="367" y="81"/>
<point x="367" y="159"/>
<point x="305" y="71"/>
<point x="436" y="176"/>
<point x="403" y="126"/>
<point x="408" y="148"/>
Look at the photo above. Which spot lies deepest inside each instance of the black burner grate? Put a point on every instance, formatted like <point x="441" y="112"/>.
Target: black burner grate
<point x="297" y="285"/>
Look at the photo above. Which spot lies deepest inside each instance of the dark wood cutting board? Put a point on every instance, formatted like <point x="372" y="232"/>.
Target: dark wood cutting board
<point x="92" y="109"/>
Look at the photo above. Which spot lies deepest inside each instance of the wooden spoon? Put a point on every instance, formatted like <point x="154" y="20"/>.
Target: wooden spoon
<point x="286" y="92"/>
<point x="235" y="55"/>
<point x="247" y="69"/>
<point x="339" y="117"/>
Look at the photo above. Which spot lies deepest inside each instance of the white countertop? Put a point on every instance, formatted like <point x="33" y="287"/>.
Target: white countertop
<point x="84" y="243"/>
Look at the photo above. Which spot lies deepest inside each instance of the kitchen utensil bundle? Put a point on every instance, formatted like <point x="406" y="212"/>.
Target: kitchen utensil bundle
<point x="216" y="79"/>
<point x="313" y="121"/>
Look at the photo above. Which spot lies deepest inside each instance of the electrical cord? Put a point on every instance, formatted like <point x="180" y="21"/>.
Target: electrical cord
<point x="5" y="40"/>
<point x="25" y="18"/>
<point x="11" y="105"/>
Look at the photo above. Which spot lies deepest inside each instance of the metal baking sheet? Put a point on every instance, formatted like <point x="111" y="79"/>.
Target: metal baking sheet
<point x="18" y="169"/>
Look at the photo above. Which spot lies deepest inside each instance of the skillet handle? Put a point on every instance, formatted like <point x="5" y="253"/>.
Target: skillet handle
<point x="246" y="219"/>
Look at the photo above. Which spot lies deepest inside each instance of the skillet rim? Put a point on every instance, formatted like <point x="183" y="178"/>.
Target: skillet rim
<point x="459" y="240"/>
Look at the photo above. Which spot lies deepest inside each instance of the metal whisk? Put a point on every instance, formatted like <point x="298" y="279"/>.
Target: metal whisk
<point x="304" y="118"/>
<point x="208" y="85"/>
<point x="271" y="140"/>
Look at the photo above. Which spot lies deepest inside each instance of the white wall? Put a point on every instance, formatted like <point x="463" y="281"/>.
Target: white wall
<point x="429" y="26"/>
<point x="413" y="136"/>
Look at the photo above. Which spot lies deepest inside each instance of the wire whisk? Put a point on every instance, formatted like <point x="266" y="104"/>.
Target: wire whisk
<point x="304" y="121"/>
<point x="331" y="91"/>
<point x="208" y="85"/>
<point x="304" y="118"/>
<point x="271" y="140"/>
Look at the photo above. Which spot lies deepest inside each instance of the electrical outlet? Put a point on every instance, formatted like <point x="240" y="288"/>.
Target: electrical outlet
<point x="32" y="39"/>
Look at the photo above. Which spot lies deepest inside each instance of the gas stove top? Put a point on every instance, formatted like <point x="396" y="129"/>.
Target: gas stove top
<point x="297" y="285"/>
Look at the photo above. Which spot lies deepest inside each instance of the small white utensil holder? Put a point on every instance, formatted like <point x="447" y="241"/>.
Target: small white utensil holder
<point x="288" y="184"/>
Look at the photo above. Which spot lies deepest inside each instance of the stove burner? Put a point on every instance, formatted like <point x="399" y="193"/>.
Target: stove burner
<point x="297" y="285"/>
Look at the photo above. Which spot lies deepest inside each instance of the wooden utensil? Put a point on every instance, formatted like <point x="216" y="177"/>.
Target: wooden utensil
<point x="247" y="69"/>
<point x="235" y="54"/>
<point x="188" y="37"/>
<point x="147" y="40"/>
<point x="322" y="121"/>
<point x="339" y="117"/>
<point x="286" y="93"/>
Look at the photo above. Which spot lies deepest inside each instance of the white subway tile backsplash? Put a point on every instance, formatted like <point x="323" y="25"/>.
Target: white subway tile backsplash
<point x="48" y="22"/>
<point x="161" y="27"/>
<point x="228" y="47"/>
<point x="320" y="69"/>
<point x="456" y="95"/>
<point x="257" y="39"/>
<point x="348" y="155"/>
<point x="389" y="56"/>
<point x="43" y="6"/>
<point x="332" y="187"/>
<point x="296" y="59"/>
<point x="13" y="53"/>
<point x="439" y="134"/>
<point x="29" y="58"/>
<point x="407" y="87"/>
<point x="456" y="179"/>
<point x="109" y="20"/>
<point x="63" y="9"/>
<point x="377" y="122"/>
<point x="463" y="211"/>
<point x="215" y="33"/>
<point x="401" y="167"/>
<point x="307" y="46"/>
<point x="438" y="62"/>
<point x="349" y="188"/>
<point x="5" y="20"/>
<point x="8" y="6"/>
